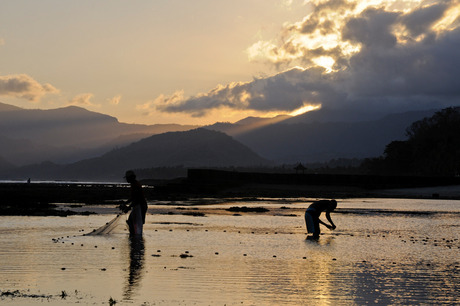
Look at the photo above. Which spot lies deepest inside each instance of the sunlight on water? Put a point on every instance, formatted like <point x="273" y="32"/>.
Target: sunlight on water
<point x="384" y="251"/>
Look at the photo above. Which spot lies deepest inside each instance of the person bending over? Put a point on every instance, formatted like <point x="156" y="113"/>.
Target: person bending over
<point x="312" y="214"/>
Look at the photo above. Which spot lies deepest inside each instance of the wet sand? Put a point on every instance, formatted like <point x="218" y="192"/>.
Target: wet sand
<point x="237" y="252"/>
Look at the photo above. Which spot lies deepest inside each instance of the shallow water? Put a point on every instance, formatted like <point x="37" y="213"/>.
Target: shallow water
<point x="384" y="251"/>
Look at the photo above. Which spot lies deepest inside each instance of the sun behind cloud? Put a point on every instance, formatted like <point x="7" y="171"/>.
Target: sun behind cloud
<point x="304" y="109"/>
<point x="381" y="55"/>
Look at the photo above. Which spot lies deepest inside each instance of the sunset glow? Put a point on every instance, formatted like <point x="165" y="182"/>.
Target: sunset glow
<point x="304" y="109"/>
<point x="154" y="63"/>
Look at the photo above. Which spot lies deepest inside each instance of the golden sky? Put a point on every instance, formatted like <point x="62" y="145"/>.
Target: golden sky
<point x="198" y="62"/>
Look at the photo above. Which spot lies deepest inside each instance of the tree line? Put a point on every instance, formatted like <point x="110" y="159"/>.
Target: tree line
<point x="432" y="148"/>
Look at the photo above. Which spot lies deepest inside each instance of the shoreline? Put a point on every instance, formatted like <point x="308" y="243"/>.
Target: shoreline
<point x="43" y="199"/>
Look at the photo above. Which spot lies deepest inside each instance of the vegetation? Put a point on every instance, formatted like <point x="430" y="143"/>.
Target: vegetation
<point x="432" y="148"/>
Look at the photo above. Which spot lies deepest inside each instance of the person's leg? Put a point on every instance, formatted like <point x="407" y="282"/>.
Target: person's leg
<point x="309" y="223"/>
<point x="137" y="221"/>
<point x="316" y="227"/>
<point x="130" y="223"/>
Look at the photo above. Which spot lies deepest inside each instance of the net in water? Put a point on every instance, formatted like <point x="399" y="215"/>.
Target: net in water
<point x="109" y="226"/>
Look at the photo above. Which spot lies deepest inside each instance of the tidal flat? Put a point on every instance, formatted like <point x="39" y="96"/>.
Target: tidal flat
<point x="236" y="252"/>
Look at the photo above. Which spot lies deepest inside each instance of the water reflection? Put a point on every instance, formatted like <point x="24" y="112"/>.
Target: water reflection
<point x="322" y="241"/>
<point x="136" y="265"/>
<point x="252" y="259"/>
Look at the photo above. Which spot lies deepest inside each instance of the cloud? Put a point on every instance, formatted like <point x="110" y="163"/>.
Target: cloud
<point x="161" y="101"/>
<point x="115" y="100"/>
<point x="392" y="56"/>
<point x="83" y="99"/>
<point x="406" y="68"/>
<point x="24" y="87"/>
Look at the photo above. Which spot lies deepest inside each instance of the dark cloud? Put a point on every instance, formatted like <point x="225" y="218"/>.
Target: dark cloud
<point x="23" y="86"/>
<point x="416" y="74"/>
<point x="403" y="63"/>
<point x="419" y="21"/>
<point x="373" y="29"/>
<point x="284" y="91"/>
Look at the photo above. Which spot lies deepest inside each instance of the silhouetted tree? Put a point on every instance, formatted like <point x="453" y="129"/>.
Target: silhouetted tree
<point x="433" y="148"/>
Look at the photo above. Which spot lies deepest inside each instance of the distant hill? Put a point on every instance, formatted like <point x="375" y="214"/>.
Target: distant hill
<point x="75" y="136"/>
<point x="194" y="148"/>
<point x="432" y="148"/>
<point x="245" y="125"/>
<point x="4" y="165"/>
<point x="66" y="134"/>
<point x="322" y="135"/>
<point x="7" y="107"/>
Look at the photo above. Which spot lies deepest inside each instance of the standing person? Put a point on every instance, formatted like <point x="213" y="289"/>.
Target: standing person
<point x="312" y="216"/>
<point x="138" y="205"/>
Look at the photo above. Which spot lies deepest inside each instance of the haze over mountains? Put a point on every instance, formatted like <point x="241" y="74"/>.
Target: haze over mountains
<point x="194" y="148"/>
<point x="322" y="135"/>
<point x="66" y="134"/>
<point x="74" y="143"/>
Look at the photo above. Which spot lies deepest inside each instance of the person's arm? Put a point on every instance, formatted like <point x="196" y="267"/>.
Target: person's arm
<point x="323" y="223"/>
<point x="328" y="217"/>
<point x="125" y="206"/>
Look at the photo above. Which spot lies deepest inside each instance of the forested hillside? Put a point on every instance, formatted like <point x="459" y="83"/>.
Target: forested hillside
<point x="432" y="148"/>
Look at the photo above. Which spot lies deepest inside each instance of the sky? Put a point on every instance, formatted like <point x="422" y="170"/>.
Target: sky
<point x="203" y="61"/>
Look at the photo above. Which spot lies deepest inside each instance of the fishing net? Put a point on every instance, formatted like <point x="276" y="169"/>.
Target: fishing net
<point x="109" y="226"/>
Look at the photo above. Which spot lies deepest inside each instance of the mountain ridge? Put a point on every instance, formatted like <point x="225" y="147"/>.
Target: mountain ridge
<point x="306" y="139"/>
<point x="318" y="136"/>
<point x="71" y="133"/>
<point x="193" y="148"/>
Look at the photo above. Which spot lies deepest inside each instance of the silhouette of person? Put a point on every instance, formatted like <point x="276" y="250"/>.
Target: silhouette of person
<point x="138" y="205"/>
<point x="312" y="214"/>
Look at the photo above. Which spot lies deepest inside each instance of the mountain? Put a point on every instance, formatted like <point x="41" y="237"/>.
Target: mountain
<point x="194" y="148"/>
<point x="66" y="134"/>
<point x="4" y="165"/>
<point x="246" y="124"/>
<point x="80" y="139"/>
<point x="325" y="114"/>
<point x="322" y="135"/>
<point x="6" y="107"/>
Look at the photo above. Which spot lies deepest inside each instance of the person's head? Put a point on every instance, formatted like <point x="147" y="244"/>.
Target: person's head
<point x="332" y="205"/>
<point x="130" y="176"/>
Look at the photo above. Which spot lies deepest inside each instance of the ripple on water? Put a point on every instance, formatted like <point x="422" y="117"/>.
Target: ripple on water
<point x="384" y="258"/>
